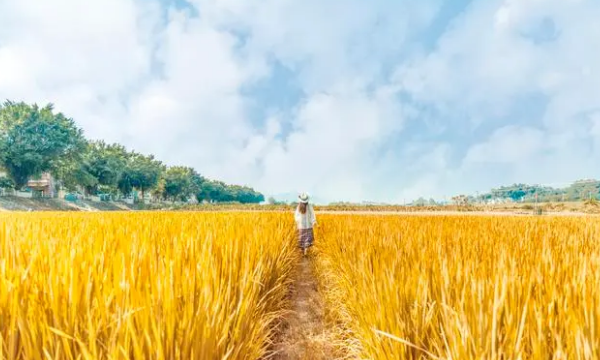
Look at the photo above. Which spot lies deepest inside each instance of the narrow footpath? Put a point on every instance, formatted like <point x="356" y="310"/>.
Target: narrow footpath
<point x="304" y="332"/>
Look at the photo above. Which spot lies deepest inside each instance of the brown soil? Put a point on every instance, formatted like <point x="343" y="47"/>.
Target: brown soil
<point x="304" y="333"/>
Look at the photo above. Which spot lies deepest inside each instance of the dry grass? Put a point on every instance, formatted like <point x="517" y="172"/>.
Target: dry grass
<point x="463" y="287"/>
<point x="142" y="286"/>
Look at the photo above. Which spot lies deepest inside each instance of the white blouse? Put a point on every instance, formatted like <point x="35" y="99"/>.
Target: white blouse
<point x="305" y="221"/>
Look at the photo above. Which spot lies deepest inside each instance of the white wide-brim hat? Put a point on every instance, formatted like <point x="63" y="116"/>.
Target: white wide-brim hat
<point x="303" y="198"/>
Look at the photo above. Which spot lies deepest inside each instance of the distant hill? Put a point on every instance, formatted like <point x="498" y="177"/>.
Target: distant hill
<point x="579" y="190"/>
<point x="292" y="197"/>
<point x="583" y="189"/>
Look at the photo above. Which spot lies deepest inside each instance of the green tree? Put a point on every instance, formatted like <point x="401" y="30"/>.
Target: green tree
<point x="141" y="172"/>
<point x="6" y="183"/>
<point x="159" y="190"/>
<point x="420" y="202"/>
<point x="106" y="163"/>
<point x="212" y="191"/>
<point x="197" y="182"/>
<point x="73" y="174"/>
<point x="34" y="140"/>
<point x="244" y="194"/>
<point x="180" y="183"/>
<point x="218" y="191"/>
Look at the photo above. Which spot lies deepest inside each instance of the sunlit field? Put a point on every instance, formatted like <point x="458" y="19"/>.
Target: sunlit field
<point x="463" y="287"/>
<point x="201" y="285"/>
<point x="142" y="286"/>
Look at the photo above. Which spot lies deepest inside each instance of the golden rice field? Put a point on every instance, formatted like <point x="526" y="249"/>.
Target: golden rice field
<point x="468" y="287"/>
<point x="185" y="285"/>
<point x="141" y="286"/>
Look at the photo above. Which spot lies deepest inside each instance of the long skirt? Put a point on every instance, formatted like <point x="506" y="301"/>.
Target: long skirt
<point x="306" y="238"/>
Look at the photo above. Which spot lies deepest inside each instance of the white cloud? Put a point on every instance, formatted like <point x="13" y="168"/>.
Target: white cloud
<point x="330" y="147"/>
<point x="65" y="41"/>
<point x="194" y="113"/>
<point x="492" y="58"/>
<point x="84" y="57"/>
<point x="174" y="87"/>
<point x="510" y="144"/>
<point x="167" y="82"/>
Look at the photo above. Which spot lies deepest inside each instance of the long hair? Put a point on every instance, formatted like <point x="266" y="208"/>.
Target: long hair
<point x="302" y="208"/>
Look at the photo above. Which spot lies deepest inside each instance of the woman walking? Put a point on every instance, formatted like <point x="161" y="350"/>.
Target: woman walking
<point x="305" y="221"/>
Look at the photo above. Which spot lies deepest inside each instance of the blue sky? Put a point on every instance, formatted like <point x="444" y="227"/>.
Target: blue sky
<point x="348" y="100"/>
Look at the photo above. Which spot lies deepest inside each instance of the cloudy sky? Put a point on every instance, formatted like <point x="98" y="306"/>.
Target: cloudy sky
<point x="348" y="99"/>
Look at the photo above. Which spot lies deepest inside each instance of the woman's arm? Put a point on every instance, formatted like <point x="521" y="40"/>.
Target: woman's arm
<point x="297" y="216"/>
<point x="313" y="217"/>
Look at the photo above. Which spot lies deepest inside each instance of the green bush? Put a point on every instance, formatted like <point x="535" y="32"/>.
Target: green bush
<point x="6" y="183"/>
<point x="71" y="197"/>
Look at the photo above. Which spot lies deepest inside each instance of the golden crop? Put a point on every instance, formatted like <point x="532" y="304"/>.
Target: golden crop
<point x="160" y="285"/>
<point x="143" y="286"/>
<point x="469" y="287"/>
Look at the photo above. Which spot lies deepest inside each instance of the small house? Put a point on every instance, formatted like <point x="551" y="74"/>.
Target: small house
<point x="42" y="186"/>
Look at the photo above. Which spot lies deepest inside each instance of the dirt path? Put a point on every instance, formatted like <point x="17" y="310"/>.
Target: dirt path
<point x="304" y="334"/>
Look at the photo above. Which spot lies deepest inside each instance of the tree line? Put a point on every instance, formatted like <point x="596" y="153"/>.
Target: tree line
<point x="35" y="140"/>
<point x="588" y="189"/>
